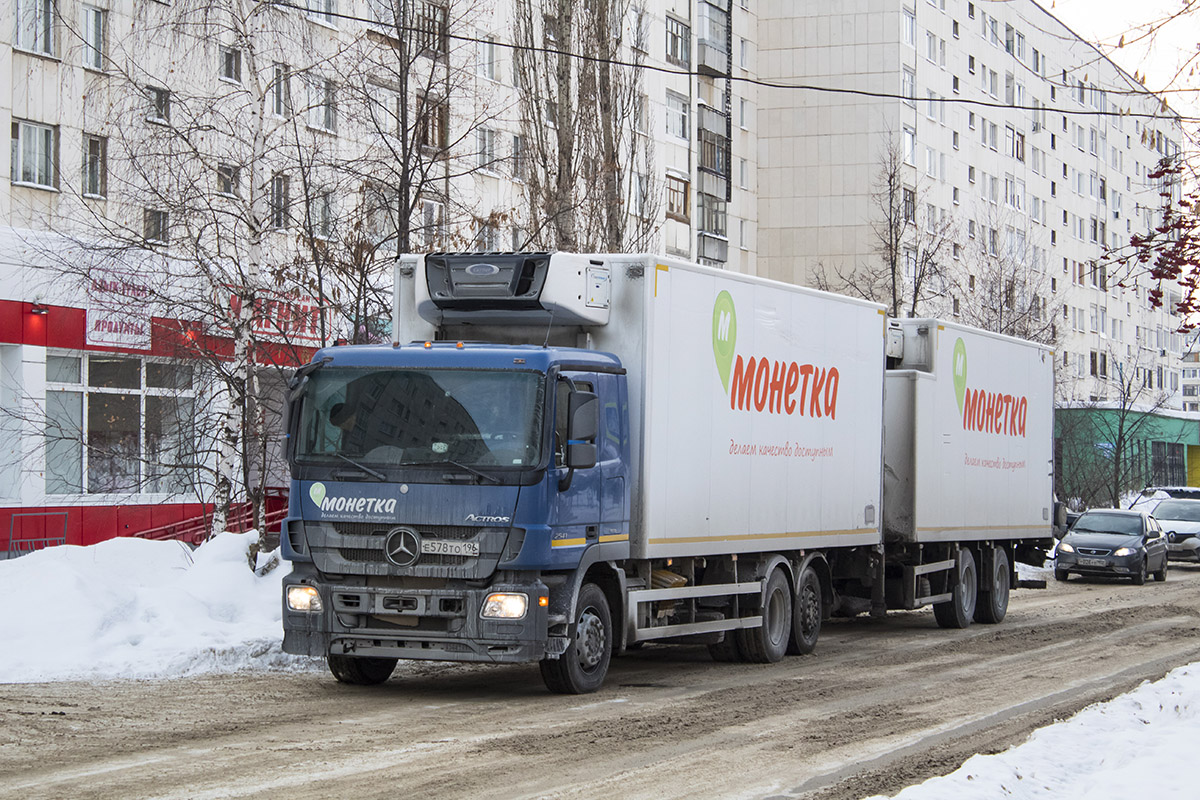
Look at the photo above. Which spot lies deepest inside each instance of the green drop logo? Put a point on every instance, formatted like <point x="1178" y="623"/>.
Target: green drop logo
<point x="317" y="493"/>
<point x="960" y="372"/>
<point x="724" y="334"/>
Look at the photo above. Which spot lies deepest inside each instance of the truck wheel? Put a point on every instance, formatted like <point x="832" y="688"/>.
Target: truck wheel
<point x="806" y="614"/>
<point x="581" y="669"/>
<point x="361" y="670"/>
<point x="958" y="611"/>
<point x="768" y="643"/>
<point x="992" y="602"/>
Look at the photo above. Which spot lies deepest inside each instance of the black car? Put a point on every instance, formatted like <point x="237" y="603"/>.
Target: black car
<point x="1113" y="542"/>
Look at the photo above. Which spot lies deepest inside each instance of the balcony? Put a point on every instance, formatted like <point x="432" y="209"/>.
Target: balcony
<point x="712" y="60"/>
<point x="710" y="247"/>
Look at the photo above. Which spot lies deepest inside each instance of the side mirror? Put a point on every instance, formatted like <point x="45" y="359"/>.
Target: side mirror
<point x="583" y="424"/>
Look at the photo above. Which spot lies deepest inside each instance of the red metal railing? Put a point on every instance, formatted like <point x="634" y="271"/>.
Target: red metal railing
<point x="241" y="519"/>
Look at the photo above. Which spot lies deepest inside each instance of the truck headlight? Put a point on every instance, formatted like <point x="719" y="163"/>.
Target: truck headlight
<point x="505" y="605"/>
<point x="304" y="598"/>
<point x="1123" y="551"/>
<point x="1063" y="547"/>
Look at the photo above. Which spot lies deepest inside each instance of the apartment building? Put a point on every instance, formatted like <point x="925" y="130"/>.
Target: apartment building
<point x="1028" y="151"/>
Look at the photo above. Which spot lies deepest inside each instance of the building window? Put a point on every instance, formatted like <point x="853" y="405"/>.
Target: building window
<point x="322" y="104"/>
<point x="486" y="140"/>
<point x="679" y="42"/>
<point x="432" y="29"/>
<point x="677" y="115"/>
<point x="519" y="157"/>
<point x="155" y="226"/>
<point x="641" y="199"/>
<point x="381" y="208"/>
<point x="909" y="205"/>
<point x="324" y="11"/>
<point x="322" y="215"/>
<point x="35" y="26"/>
<point x="714" y="152"/>
<point x="712" y="213"/>
<point x="487" y="237"/>
<point x="130" y="427"/>
<point x="677" y="198"/>
<point x="95" y="176"/>
<point x="34" y="154"/>
<point x="281" y="92"/>
<point x="93" y="37"/>
<point x="279" y="202"/>
<point x="432" y="223"/>
<point x="910" y="27"/>
<point x="227" y="180"/>
<point x="433" y="117"/>
<point x="908" y="86"/>
<point x="486" y="67"/>
<point x="231" y="64"/>
<point x="160" y="104"/>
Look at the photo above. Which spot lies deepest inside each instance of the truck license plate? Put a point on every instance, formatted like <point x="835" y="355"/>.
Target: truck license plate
<point x="1092" y="562"/>
<point x="442" y="547"/>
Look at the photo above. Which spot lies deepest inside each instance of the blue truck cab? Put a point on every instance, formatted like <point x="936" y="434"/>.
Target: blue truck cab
<point x="445" y="498"/>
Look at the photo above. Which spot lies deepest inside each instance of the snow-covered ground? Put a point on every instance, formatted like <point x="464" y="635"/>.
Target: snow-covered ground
<point x="129" y="608"/>
<point x="1128" y="747"/>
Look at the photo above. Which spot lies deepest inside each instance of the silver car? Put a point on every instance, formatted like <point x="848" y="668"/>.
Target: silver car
<point x="1181" y="520"/>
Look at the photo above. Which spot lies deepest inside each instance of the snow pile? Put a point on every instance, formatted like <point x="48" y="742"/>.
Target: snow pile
<point x="131" y="608"/>
<point x="1127" y="747"/>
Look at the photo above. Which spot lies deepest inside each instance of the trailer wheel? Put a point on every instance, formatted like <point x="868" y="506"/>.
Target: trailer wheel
<point x="958" y="611"/>
<point x="807" y="612"/>
<point x="992" y="603"/>
<point x="768" y="643"/>
<point x="582" y="668"/>
<point x="361" y="670"/>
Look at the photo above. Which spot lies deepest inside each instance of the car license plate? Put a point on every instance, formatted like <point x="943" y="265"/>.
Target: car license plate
<point x="442" y="547"/>
<point x="1093" y="562"/>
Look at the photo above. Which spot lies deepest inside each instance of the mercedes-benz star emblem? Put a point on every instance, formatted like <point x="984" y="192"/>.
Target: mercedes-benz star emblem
<point x="402" y="547"/>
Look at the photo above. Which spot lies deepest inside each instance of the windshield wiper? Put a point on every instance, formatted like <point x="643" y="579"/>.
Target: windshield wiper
<point x="377" y="475"/>
<point x="474" y="471"/>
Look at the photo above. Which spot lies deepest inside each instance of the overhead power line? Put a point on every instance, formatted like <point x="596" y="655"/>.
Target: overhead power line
<point x="807" y="87"/>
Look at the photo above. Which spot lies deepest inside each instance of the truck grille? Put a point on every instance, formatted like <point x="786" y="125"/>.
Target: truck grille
<point x="361" y="555"/>
<point x="459" y="532"/>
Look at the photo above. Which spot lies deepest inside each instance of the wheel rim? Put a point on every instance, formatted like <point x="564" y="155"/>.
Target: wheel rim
<point x="1000" y="587"/>
<point x="590" y="641"/>
<point x="968" y="583"/>
<point x="777" y="621"/>
<point x="810" y="609"/>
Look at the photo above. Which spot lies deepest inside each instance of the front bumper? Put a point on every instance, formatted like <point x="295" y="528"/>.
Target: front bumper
<point x="1123" y="566"/>
<point x="414" y="622"/>
<point x="1184" y="549"/>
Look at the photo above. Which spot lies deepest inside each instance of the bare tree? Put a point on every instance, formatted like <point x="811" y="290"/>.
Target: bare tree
<point x="913" y="241"/>
<point x="1003" y="284"/>
<point x="200" y="171"/>
<point x="588" y="172"/>
<point x="1106" y="442"/>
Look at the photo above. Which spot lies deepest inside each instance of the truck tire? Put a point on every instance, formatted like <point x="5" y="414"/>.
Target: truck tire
<point x="582" y="668"/>
<point x="361" y="670"/>
<point x="807" y="611"/>
<point x="958" y="611"/>
<point x="768" y="643"/>
<point x="992" y="602"/>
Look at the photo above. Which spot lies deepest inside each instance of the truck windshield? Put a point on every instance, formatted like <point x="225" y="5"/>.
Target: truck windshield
<point x="394" y="417"/>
